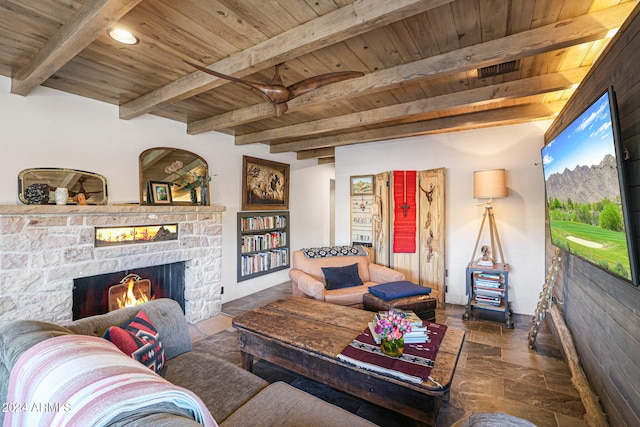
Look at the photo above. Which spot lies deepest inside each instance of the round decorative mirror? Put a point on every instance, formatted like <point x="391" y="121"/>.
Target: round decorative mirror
<point x="185" y="173"/>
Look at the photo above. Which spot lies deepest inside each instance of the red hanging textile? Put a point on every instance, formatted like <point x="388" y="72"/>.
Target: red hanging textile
<point x="405" y="210"/>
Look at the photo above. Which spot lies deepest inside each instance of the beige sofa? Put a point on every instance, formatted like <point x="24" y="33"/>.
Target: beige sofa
<point x="308" y="279"/>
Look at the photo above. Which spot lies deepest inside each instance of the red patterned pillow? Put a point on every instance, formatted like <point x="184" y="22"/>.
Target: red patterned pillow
<point x="139" y="339"/>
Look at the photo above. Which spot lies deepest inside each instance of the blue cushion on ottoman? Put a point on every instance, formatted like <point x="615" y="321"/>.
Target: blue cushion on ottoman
<point x="395" y="290"/>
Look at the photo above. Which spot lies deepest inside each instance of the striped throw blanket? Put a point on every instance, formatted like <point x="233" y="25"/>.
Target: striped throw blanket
<point x="78" y="380"/>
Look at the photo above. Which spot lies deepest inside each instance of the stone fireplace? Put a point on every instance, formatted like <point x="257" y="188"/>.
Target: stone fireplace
<point x="44" y="248"/>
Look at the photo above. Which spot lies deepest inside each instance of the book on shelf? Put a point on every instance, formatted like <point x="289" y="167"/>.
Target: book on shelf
<point x="483" y="263"/>
<point x="489" y="292"/>
<point x="263" y="222"/>
<point x="259" y="242"/>
<point x="489" y="300"/>
<point x="484" y="284"/>
<point x="264" y="261"/>
<point x="488" y="276"/>
<point x="486" y="280"/>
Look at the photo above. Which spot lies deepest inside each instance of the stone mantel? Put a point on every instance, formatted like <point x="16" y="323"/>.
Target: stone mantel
<point x="44" y="247"/>
<point x="128" y="209"/>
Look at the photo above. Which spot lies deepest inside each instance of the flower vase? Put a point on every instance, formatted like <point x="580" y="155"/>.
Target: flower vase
<point x="204" y="191"/>
<point x="193" y="194"/>
<point x="61" y="196"/>
<point x="393" y="348"/>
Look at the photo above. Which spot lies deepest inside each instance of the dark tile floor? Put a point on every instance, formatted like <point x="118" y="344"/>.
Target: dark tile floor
<point x="496" y="370"/>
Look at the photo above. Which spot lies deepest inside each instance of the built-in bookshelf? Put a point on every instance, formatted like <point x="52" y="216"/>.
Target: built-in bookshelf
<point x="263" y="243"/>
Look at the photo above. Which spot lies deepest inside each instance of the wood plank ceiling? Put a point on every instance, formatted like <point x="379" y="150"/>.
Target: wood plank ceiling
<point x="421" y="61"/>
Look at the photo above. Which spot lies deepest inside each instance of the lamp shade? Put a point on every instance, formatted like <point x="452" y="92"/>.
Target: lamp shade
<point x="490" y="184"/>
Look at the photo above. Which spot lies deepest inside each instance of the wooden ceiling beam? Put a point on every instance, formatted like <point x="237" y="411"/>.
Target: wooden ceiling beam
<point x="341" y="24"/>
<point x="415" y="109"/>
<point x="326" y="160"/>
<point x="87" y="24"/>
<point x="555" y="36"/>
<point x="495" y="117"/>
<point x="316" y="153"/>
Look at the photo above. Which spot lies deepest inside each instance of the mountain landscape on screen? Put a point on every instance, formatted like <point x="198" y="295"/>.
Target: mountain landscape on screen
<point x="586" y="184"/>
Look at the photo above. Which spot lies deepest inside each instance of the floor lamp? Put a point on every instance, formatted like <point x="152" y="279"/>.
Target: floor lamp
<point x="489" y="184"/>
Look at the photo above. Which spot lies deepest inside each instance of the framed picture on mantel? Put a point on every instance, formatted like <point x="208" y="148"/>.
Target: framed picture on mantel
<point x="265" y="184"/>
<point x="160" y="193"/>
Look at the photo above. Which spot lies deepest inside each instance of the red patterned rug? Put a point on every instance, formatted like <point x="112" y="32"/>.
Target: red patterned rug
<point x="414" y="365"/>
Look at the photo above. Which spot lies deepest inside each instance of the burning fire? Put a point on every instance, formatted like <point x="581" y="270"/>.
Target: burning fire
<point x="128" y="298"/>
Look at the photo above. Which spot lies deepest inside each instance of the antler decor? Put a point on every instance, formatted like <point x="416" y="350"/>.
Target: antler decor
<point x="277" y="93"/>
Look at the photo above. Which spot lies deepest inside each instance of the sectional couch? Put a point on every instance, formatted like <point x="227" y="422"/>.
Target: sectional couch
<point x="233" y="396"/>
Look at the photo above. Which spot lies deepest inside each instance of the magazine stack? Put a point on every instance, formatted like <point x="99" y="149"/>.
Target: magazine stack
<point x="488" y="288"/>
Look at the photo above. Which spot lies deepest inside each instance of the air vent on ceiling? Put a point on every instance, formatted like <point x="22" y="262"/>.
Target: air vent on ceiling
<point x="494" y="70"/>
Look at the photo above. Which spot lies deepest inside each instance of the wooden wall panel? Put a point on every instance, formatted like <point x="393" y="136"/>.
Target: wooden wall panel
<point x="431" y="229"/>
<point x="603" y="312"/>
<point x="381" y="214"/>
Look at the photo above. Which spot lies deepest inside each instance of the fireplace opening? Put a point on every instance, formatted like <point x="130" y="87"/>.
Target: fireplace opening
<point x="105" y="292"/>
<point x="131" y="291"/>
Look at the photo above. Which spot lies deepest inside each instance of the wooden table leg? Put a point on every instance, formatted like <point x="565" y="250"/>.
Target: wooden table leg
<point x="247" y="361"/>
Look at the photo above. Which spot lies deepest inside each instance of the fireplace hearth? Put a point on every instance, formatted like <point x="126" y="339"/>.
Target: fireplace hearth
<point x="91" y="295"/>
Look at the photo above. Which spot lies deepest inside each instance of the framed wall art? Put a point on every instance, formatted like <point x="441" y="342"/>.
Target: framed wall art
<point x="265" y="184"/>
<point x="361" y="185"/>
<point x="160" y="193"/>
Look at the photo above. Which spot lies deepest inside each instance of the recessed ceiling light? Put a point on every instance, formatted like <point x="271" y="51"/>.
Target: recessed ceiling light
<point x="122" y="36"/>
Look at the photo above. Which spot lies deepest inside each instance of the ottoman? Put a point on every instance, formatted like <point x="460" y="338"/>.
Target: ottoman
<point x="422" y="305"/>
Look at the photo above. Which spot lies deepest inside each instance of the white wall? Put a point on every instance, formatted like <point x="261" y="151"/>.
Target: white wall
<point x="50" y="128"/>
<point x="519" y="217"/>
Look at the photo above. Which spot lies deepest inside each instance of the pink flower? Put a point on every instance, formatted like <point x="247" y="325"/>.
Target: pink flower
<point x="392" y="325"/>
<point x="395" y="334"/>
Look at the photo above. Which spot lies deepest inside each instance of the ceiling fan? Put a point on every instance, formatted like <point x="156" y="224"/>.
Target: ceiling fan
<point x="277" y="94"/>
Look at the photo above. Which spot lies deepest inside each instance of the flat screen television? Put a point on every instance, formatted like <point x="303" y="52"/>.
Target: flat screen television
<point x="586" y="191"/>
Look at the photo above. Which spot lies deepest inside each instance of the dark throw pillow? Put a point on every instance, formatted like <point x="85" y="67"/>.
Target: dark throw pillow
<point x="342" y="277"/>
<point x="139" y="339"/>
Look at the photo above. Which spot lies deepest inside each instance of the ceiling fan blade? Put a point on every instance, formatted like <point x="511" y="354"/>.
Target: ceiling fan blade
<point x="252" y="85"/>
<point x="312" y="83"/>
<point x="273" y="93"/>
<point x="276" y="93"/>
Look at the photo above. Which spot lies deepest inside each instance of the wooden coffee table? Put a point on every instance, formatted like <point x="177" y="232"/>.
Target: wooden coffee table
<point x="306" y="336"/>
